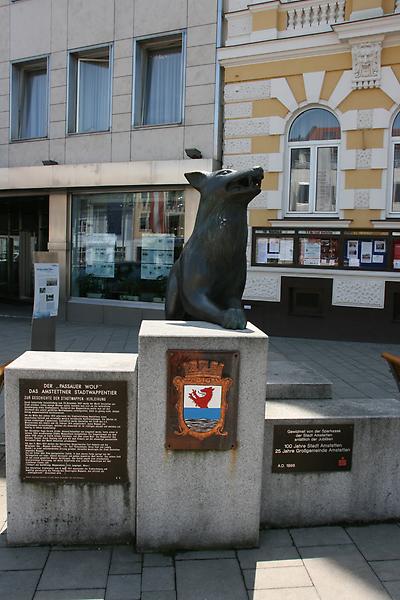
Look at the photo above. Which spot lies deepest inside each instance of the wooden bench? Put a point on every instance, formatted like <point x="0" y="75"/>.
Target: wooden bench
<point x="394" y="364"/>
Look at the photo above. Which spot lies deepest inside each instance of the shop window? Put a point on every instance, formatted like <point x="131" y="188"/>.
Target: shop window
<point x="314" y="139"/>
<point x="396" y="165"/>
<point x="159" y="81"/>
<point x="128" y="244"/>
<point x="29" y="99"/>
<point x="89" y="90"/>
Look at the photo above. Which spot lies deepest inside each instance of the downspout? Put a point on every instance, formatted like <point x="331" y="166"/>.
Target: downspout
<point x="217" y="154"/>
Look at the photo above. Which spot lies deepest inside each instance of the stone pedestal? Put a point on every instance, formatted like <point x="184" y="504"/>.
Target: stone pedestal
<point x="188" y="499"/>
<point x="69" y="512"/>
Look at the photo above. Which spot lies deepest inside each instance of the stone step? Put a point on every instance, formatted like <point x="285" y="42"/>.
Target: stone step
<point x="290" y="381"/>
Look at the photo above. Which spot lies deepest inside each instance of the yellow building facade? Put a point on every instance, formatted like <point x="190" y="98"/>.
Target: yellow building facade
<point x="312" y="94"/>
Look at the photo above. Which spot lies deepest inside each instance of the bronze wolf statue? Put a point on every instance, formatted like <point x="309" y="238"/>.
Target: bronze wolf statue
<point x="207" y="281"/>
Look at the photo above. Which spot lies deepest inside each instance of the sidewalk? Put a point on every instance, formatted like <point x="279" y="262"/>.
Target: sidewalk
<point x="322" y="563"/>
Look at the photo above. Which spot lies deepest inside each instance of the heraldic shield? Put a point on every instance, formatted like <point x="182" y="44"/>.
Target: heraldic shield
<point x="201" y="402"/>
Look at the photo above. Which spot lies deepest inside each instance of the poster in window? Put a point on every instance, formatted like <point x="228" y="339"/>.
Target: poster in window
<point x="352" y="249"/>
<point x="379" y="246"/>
<point x="157" y="255"/>
<point x="366" y="251"/>
<point x="396" y="255"/>
<point x="286" y="250"/>
<point x="100" y="254"/>
<point x="274" y="246"/>
<point x="312" y="252"/>
<point x="262" y="250"/>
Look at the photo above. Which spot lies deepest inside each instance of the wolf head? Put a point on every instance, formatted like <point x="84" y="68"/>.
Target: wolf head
<point x="235" y="186"/>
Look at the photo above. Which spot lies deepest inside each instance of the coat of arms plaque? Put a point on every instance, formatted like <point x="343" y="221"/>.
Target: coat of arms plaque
<point x="202" y="400"/>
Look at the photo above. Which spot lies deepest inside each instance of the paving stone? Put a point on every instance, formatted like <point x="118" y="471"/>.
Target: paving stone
<point x="387" y="570"/>
<point x="288" y="577"/>
<point x="268" y="557"/>
<point x="156" y="579"/>
<point x="285" y="594"/>
<point x="275" y="537"/>
<point x="341" y="573"/>
<point x="211" y="579"/>
<point x="13" y="586"/>
<point x="125" y="561"/>
<point x="76" y="569"/>
<point x="157" y="560"/>
<point x="205" y="554"/>
<point x="393" y="587"/>
<point x="320" y="536"/>
<point x="20" y="559"/>
<point x="123" y="587"/>
<point x="377" y="542"/>
<point x="71" y="595"/>
<point x="158" y="596"/>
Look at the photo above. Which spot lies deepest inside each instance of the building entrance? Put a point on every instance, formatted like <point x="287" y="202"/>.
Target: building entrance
<point x="24" y="229"/>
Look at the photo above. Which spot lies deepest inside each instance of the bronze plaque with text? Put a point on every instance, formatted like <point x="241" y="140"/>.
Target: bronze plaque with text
<point x="73" y="431"/>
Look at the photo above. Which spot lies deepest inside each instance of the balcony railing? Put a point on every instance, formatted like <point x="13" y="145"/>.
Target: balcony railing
<point x="313" y="16"/>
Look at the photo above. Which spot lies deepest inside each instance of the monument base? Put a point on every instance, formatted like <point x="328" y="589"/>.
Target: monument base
<point x="197" y="498"/>
<point x="71" y="448"/>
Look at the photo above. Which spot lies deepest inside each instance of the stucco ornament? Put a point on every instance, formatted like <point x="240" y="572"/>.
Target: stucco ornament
<point x="366" y="65"/>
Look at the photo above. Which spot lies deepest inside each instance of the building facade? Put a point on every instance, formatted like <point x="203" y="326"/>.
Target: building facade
<point x="102" y="105"/>
<point x="312" y="94"/>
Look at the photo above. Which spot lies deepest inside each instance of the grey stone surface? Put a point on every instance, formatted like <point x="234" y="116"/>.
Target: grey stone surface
<point x="387" y="570"/>
<point x="156" y="579"/>
<point x="269" y="557"/>
<point x="157" y="560"/>
<point x="13" y="586"/>
<point x="123" y="587"/>
<point x="213" y="579"/>
<point x="341" y="572"/>
<point x="285" y="594"/>
<point x="275" y="538"/>
<point x="70" y="513"/>
<point x="125" y="561"/>
<point x="320" y="536"/>
<point x="76" y="569"/>
<point x="264" y="579"/>
<point x="158" y="595"/>
<point x="287" y="380"/>
<point x="205" y="554"/>
<point x="377" y="542"/>
<point x="370" y="491"/>
<point x="93" y="594"/>
<point x="16" y="559"/>
<point x="213" y="509"/>
<point x="393" y="587"/>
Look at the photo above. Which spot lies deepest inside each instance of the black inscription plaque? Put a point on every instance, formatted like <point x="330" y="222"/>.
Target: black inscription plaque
<point x="309" y="448"/>
<point x="73" y="431"/>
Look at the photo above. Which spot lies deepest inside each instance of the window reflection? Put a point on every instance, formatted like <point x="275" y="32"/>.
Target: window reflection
<point x="124" y="244"/>
<point x="315" y="124"/>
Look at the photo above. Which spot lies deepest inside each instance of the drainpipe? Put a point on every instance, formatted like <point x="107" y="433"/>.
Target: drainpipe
<point x="218" y="88"/>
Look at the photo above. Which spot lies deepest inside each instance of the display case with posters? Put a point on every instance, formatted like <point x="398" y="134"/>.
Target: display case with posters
<point x="273" y="250"/>
<point x="365" y="252"/>
<point x="319" y="249"/>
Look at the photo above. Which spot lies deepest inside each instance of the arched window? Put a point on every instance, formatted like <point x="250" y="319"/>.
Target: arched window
<point x="314" y="138"/>
<point x="396" y="165"/>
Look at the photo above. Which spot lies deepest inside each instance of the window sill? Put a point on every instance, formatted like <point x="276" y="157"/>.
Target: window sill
<point x="75" y="133"/>
<point x="22" y="140"/>
<point x="161" y="126"/>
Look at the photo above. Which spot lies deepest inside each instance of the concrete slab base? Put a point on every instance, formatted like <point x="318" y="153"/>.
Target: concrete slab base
<point x="193" y="499"/>
<point x="369" y="492"/>
<point x="70" y="512"/>
<point x="287" y="380"/>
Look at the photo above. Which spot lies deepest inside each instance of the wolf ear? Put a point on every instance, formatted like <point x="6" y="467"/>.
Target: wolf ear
<point x="197" y="179"/>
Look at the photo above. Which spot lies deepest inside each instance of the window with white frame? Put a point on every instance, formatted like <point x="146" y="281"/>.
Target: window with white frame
<point x="396" y="165"/>
<point x="29" y="99"/>
<point x="89" y="90"/>
<point x="159" y="80"/>
<point x="313" y="142"/>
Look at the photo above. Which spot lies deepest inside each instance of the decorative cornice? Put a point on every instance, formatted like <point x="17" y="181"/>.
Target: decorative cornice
<point x="383" y="25"/>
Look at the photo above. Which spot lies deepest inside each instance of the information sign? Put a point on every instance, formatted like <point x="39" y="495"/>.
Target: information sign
<point x="308" y="448"/>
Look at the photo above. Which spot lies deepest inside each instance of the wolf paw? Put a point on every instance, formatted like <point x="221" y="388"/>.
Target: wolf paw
<point x="234" y="318"/>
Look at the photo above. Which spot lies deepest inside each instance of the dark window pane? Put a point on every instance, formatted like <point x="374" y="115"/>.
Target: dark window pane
<point x="299" y="179"/>
<point x="396" y="126"/>
<point x="326" y="180"/>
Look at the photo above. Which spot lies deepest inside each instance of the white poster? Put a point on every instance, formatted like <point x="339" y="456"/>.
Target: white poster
<point x="100" y="254"/>
<point x="312" y="252"/>
<point x="286" y="253"/>
<point x="366" y="252"/>
<point x="157" y="255"/>
<point x="262" y="250"/>
<point x="47" y="289"/>
<point x="274" y="244"/>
